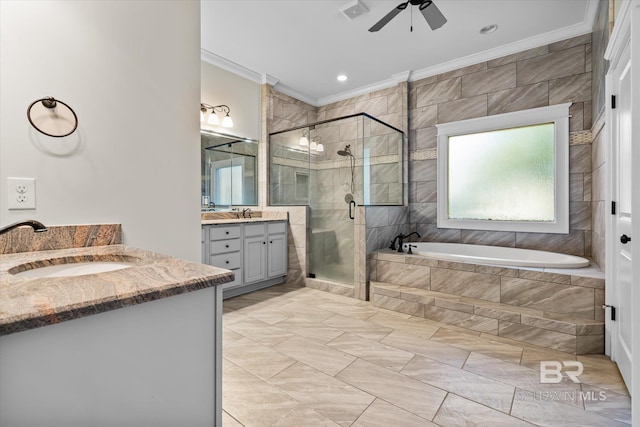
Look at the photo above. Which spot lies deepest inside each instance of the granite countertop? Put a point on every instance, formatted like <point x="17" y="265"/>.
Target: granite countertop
<point x="28" y="303"/>
<point x="239" y="220"/>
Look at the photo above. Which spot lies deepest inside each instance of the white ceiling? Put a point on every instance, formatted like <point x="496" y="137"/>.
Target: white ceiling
<point x="304" y="44"/>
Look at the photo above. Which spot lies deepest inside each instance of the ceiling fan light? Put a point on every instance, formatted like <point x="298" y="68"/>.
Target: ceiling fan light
<point x="320" y="148"/>
<point x="313" y="145"/>
<point x="304" y="141"/>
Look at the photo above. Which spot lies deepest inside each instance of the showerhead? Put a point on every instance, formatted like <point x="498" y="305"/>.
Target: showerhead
<point x="346" y="152"/>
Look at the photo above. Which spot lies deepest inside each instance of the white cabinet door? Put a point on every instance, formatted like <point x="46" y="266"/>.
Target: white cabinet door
<point x="277" y="255"/>
<point x="255" y="259"/>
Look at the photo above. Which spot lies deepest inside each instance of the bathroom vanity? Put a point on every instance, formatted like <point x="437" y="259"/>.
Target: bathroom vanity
<point x="255" y="249"/>
<point x="139" y="345"/>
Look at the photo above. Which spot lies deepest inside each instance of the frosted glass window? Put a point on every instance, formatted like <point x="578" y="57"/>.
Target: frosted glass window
<point x="506" y="172"/>
<point x="505" y="175"/>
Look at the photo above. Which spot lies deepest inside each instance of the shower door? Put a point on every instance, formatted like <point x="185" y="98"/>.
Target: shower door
<point x="332" y="196"/>
<point x="333" y="166"/>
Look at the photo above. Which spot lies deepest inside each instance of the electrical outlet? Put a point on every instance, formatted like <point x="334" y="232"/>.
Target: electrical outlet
<point x="21" y="193"/>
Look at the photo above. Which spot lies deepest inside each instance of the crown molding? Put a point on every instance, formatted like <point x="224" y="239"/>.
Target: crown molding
<point x="362" y="90"/>
<point x="230" y="66"/>
<point x="295" y="94"/>
<point x="586" y="26"/>
<point x="269" y="79"/>
<point x="504" y="50"/>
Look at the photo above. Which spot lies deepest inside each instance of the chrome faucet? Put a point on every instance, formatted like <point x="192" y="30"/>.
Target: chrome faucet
<point x="400" y="239"/>
<point x="37" y="226"/>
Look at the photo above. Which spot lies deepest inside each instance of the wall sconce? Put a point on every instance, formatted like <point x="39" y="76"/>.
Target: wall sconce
<point x="316" y="145"/>
<point x="304" y="139"/>
<point x="213" y="116"/>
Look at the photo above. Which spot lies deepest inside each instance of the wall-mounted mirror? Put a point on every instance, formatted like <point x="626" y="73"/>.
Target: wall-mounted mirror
<point x="229" y="166"/>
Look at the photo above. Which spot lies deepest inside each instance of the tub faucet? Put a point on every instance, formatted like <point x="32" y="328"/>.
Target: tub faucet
<point x="37" y="226"/>
<point x="400" y="239"/>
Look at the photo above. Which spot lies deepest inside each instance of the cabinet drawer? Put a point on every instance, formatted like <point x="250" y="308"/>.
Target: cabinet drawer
<point x="229" y="261"/>
<point x="276" y="227"/>
<point x="254" y="230"/>
<point x="224" y="246"/>
<point x="224" y="232"/>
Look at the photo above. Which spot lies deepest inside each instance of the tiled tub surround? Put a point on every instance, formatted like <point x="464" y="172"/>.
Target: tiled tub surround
<point x="557" y="309"/>
<point x="28" y="303"/>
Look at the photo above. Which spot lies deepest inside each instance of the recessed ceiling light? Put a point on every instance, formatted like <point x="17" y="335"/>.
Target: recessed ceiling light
<point x="342" y="77"/>
<point x="488" y="29"/>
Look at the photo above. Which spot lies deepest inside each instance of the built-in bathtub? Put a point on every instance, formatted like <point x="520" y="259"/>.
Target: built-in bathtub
<point x="540" y="301"/>
<point x="496" y="255"/>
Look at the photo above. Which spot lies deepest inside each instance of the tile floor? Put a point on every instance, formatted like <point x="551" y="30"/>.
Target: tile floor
<point x="302" y="357"/>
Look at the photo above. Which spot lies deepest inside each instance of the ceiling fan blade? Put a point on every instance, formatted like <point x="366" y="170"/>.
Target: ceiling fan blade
<point x="388" y="17"/>
<point x="432" y="14"/>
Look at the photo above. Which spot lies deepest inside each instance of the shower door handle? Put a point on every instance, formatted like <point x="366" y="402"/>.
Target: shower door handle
<point x="352" y="204"/>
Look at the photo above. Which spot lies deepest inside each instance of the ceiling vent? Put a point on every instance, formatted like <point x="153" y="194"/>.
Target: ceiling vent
<point x="355" y="9"/>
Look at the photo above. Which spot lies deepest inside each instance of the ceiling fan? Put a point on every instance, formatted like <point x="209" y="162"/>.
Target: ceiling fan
<point x="429" y="10"/>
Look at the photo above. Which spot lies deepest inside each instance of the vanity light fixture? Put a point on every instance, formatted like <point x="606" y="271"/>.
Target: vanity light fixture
<point x="213" y="119"/>
<point x="316" y="145"/>
<point x="304" y="139"/>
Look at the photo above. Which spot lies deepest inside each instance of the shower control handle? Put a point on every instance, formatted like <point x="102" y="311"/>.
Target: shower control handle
<point x="352" y="204"/>
<point x="624" y="239"/>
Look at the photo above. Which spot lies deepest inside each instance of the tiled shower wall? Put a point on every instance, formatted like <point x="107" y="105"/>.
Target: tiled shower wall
<point x="548" y="75"/>
<point x="280" y="112"/>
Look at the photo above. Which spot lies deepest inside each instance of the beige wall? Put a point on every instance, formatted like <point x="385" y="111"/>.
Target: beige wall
<point x="135" y="157"/>
<point x="219" y="86"/>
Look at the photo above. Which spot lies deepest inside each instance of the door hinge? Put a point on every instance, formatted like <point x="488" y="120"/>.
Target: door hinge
<point x="613" y="310"/>
<point x="613" y="208"/>
<point x="613" y="101"/>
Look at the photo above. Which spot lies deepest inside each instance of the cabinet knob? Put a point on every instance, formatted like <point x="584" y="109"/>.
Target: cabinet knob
<point x="226" y="262"/>
<point x="226" y="232"/>
<point x="270" y="241"/>
<point x="624" y="239"/>
<point x="226" y="246"/>
<point x="264" y="243"/>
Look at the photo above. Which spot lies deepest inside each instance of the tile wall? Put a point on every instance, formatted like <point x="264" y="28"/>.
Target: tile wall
<point x="552" y="74"/>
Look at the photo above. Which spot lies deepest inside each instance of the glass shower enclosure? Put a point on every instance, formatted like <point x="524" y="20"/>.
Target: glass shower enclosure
<point x="334" y="166"/>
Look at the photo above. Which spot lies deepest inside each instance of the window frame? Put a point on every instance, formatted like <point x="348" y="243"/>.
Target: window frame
<point x="556" y="114"/>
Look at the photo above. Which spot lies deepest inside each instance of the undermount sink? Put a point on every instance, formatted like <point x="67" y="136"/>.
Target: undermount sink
<point x="74" y="269"/>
